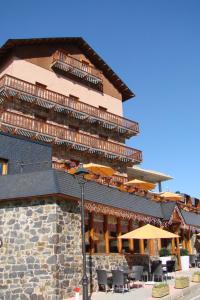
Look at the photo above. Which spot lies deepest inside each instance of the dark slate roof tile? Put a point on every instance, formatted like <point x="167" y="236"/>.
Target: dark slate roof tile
<point x="192" y="219"/>
<point x="59" y="182"/>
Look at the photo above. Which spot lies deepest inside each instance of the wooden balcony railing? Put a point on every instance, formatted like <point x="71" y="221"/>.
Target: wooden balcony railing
<point x="114" y="180"/>
<point x="54" y="99"/>
<point x="59" y="134"/>
<point x="77" y="68"/>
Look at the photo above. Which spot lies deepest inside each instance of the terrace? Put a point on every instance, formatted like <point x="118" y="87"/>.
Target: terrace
<point x="76" y="69"/>
<point x="51" y="133"/>
<point x="25" y="91"/>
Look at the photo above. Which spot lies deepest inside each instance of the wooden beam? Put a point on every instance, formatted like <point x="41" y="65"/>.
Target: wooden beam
<point x="151" y="247"/>
<point x="141" y="242"/>
<point x="130" y="241"/>
<point x="183" y="239"/>
<point x="119" y="232"/>
<point x="106" y="235"/>
<point x="173" y="246"/>
<point x="160" y="241"/>
<point x="91" y="237"/>
<point x="189" y="245"/>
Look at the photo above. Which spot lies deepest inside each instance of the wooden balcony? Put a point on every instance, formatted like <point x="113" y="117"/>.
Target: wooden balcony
<point x="51" y="133"/>
<point x="76" y="69"/>
<point x="25" y="91"/>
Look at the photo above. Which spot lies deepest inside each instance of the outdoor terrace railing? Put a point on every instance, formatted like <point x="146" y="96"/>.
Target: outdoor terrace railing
<point x="60" y="134"/>
<point x="77" y="68"/>
<point x="113" y="180"/>
<point x="57" y="100"/>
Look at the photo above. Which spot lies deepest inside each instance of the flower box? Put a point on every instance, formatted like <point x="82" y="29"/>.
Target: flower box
<point x="160" y="290"/>
<point x="196" y="277"/>
<point x="181" y="282"/>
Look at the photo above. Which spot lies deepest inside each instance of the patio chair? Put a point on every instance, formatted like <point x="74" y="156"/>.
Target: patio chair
<point x="157" y="270"/>
<point x="170" y="267"/>
<point x="103" y="280"/>
<point x="198" y="262"/>
<point x="193" y="260"/>
<point x="136" y="273"/>
<point x="119" y="280"/>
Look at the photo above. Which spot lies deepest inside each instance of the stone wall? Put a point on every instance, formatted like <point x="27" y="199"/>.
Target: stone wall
<point x="41" y="251"/>
<point x="110" y="262"/>
<point x="40" y="258"/>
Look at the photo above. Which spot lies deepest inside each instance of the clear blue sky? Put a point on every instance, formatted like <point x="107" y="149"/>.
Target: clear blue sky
<point x="154" y="46"/>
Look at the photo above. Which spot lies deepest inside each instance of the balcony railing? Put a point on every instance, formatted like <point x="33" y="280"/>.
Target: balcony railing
<point x="32" y="93"/>
<point x="78" y="69"/>
<point x="115" y="180"/>
<point x="28" y="126"/>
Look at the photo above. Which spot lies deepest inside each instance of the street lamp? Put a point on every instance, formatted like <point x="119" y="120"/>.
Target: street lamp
<point x="80" y="173"/>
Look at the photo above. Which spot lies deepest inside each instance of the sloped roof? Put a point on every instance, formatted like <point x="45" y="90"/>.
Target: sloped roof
<point x="84" y="46"/>
<point x="50" y="182"/>
<point x="167" y="209"/>
<point x="58" y="182"/>
<point x="192" y="219"/>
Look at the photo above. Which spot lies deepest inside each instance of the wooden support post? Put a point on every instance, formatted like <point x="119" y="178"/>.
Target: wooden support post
<point x="178" y="254"/>
<point x="141" y="246"/>
<point x="131" y="241"/>
<point x="160" y="241"/>
<point x="151" y="248"/>
<point x="106" y="235"/>
<point x="141" y="242"/>
<point x="189" y="246"/>
<point x="183" y="239"/>
<point x="173" y="246"/>
<point x="119" y="232"/>
<point x="91" y="235"/>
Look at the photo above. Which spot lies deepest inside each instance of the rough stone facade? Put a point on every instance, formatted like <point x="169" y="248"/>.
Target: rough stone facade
<point x="40" y="257"/>
<point x="41" y="251"/>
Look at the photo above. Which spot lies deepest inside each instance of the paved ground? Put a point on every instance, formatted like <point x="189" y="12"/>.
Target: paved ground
<point x="144" y="293"/>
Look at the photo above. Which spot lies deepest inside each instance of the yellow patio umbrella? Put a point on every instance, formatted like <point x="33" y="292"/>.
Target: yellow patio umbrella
<point x="148" y="232"/>
<point x="99" y="169"/>
<point x="141" y="184"/>
<point x="171" y="196"/>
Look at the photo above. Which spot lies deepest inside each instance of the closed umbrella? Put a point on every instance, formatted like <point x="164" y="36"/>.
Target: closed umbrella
<point x="141" y="184"/>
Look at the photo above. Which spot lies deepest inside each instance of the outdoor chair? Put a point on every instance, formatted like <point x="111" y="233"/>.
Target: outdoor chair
<point x="193" y="260"/>
<point x="170" y="266"/>
<point x="103" y="280"/>
<point x="198" y="262"/>
<point x="136" y="273"/>
<point x="119" y="280"/>
<point x="157" y="271"/>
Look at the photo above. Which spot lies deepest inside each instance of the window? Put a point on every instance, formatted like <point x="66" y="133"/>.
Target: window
<point x="40" y="118"/>
<point x="103" y="137"/>
<point x="72" y="97"/>
<point x="103" y="108"/>
<point x="74" y="128"/>
<point x="73" y="100"/>
<point x="40" y="89"/>
<point x="40" y="85"/>
<point x="112" y="227"/>
<point x="3" y="167"/>
<point x="125" y="229"/>
<point x="85" y="66"/>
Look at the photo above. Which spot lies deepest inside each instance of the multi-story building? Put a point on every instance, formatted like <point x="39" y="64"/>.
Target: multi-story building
<point x="61" y="92"/>
<point x="61" y="104"/>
